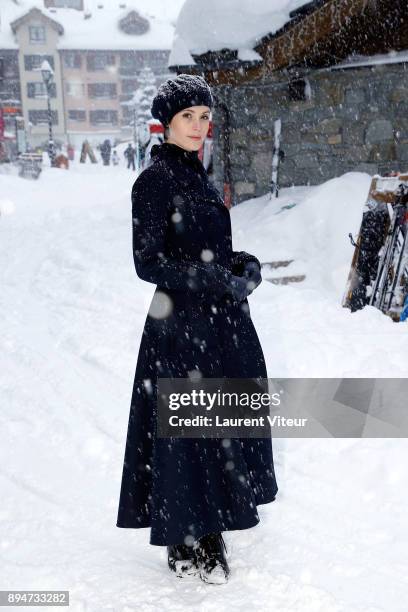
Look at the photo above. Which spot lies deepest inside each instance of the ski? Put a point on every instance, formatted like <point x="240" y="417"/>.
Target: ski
<point x="277" y="156"/>
<point x="379" y="269"/>
<point x="386" y="294"/>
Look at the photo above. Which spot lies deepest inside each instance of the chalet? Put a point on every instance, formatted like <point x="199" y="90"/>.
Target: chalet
<point x="336" y="74"/>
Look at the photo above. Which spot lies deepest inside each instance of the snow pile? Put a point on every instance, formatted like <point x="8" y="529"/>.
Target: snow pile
<point x="220" y="24"/>
<point x="310" y="226"/>
<point x="73" y="310"/>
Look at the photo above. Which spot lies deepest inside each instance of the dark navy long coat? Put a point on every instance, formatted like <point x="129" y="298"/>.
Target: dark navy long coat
<point x="182" y="243"/>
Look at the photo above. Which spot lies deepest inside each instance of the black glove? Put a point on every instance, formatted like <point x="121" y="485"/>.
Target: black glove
<point x="252" y="274"/>
<point x="238" y="288"/>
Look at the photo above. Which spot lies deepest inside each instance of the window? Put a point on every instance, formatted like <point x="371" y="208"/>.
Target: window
<point x="11" y="92"/>
<point x="129" y="86"/>
<point x="98" y="117"/>
<point x="37" y="34"/>
<point x="77" y="115"/>
<point x="134" y="23"/>
<point x="37" y="89"/>
<point x="72" y="59"/>
<point x="75" y="89"/>
<point x="299" y="89"/>
<point x="128" y="60"/>
<point x="9" y="67"/>
<point x="33" y="62"/>
<point x="99" y="60"/>
<point x="76" y="4"/>
<point x="40" y="117"/>
<point x="102" y="90"/>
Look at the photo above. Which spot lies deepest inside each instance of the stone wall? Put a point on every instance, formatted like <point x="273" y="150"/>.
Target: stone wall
<point x="356" y="119"/>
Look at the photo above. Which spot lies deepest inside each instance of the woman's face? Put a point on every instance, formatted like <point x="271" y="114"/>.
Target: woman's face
<point x="188" y="128"/>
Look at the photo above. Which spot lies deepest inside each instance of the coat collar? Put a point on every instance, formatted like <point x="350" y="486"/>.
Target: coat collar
<point x="173" y="151"/>
<point x="184" y="160"/>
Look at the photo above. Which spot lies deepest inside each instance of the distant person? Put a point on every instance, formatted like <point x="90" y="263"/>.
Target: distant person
<point x="130" y="153"/>
<point x="115" y="158"/>
<point x="105" y="150"/>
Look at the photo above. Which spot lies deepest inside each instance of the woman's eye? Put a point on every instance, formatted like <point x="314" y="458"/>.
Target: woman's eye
<point x="189" y="115"/>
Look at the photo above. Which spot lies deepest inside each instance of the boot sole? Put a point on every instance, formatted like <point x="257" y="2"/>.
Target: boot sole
<point x="184" y="573"/>
<point x="213" y="579"/>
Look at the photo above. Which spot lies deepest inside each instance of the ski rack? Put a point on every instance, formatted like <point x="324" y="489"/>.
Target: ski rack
<point x="379" y="269"/>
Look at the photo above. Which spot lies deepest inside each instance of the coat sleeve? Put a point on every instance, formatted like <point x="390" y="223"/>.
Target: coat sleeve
<point x="239" y="259"/>
<point x="150" y="217"/>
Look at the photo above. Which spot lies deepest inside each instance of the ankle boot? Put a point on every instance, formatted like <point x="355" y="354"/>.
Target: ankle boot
<point x="182" y="560"/>
<point x="211" y="557"/>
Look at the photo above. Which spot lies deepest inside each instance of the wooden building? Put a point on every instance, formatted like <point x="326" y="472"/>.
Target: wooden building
<point x="336" y="75"/>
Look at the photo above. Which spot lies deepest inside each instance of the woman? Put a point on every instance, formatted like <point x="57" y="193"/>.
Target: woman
<point x="190" y="490"/>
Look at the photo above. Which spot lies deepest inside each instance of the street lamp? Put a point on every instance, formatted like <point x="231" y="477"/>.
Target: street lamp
<point x="47" y="75"/>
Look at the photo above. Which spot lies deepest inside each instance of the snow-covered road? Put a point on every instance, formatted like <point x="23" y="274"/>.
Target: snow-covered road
<point x="72" y="311"/>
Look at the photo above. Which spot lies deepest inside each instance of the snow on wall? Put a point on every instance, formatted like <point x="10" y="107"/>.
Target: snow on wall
<point x="392" y="57"/>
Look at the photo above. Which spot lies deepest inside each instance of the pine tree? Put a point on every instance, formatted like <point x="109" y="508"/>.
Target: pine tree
<point x="143" y="98"/>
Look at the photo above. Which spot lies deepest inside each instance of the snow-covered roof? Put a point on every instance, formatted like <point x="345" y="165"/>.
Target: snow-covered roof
<point x="100" y="30"/>
<point x="227" y="24"/>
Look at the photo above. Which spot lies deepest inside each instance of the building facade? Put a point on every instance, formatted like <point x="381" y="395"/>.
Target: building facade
<point x="351" y="118"/>
<point x="92" y="85"/>
<point x="37" y="39"/>
<point x="97" y="86"/>
<point x="10" y="93"/>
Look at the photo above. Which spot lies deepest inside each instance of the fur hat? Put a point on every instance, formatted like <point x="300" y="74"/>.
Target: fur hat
<point x="180" y="92"/>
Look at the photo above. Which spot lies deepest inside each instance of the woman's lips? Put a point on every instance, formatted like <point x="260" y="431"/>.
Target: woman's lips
<point x="196" y="137"/>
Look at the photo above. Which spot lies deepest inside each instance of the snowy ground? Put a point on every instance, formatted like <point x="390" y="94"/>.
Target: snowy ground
<point x="72" y="310"/>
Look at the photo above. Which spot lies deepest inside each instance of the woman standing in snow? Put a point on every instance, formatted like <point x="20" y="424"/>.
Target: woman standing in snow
<point x="188" y="491"/>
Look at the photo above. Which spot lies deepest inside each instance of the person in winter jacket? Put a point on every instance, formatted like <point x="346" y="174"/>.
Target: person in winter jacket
<point x="115" y="158"/>
<point x="130" y="153"/>
<point x="189" y="491"/>
<point x="105" y="149"/>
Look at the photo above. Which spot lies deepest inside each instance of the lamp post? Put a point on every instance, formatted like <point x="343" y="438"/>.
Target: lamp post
<point x="133" y="105"/>
<point x="136" y="136"/>
<point x="47" y="75"/>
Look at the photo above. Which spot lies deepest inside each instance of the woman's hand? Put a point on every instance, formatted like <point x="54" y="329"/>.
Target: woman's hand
<point x="252" y="274"/>
<point x="242" y="286"/>
<point x="238" y="288"/>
